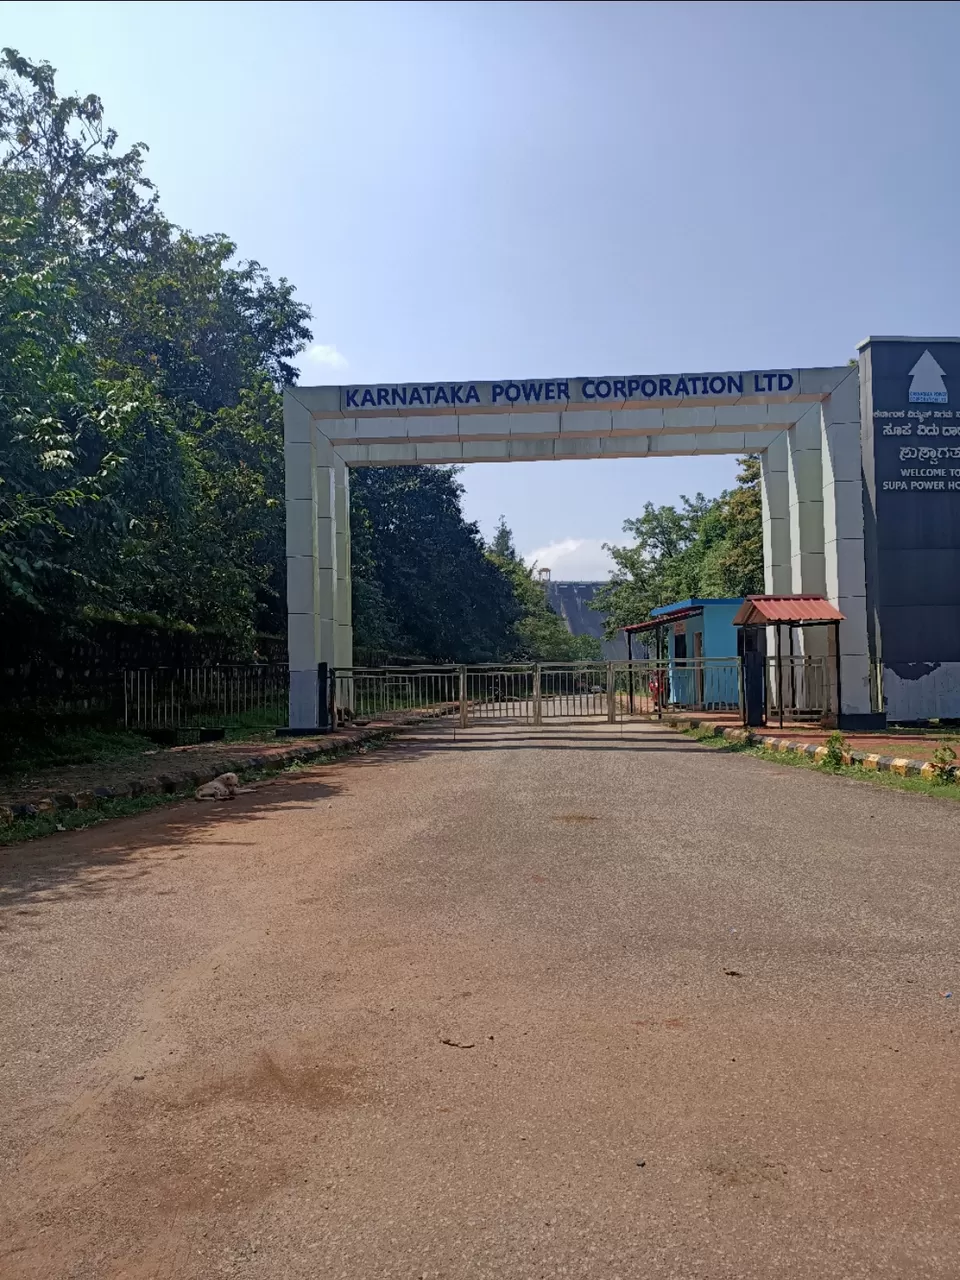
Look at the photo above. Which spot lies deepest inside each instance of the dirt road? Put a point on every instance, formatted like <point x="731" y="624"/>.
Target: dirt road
<point x="495" y="1007"/>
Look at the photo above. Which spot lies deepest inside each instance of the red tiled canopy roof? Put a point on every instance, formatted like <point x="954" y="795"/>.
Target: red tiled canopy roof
<point x="802" y="610"/>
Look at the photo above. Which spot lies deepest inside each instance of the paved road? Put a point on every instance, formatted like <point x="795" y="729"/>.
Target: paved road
<point x="495" y="1007"/>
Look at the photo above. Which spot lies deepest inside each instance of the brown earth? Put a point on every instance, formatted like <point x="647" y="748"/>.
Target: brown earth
<point x="502" y="1003"/>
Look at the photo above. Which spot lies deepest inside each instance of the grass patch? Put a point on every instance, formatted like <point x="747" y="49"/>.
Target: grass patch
<point x="49" y="824"/>
<point x="83" y="744"/>
<point x="936" y="788"/>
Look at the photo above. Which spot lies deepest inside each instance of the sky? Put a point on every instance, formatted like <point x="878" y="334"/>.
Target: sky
<point x="490" y="191"/>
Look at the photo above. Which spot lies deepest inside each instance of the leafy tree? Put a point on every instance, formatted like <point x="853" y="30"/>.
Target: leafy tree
<point x="423" y="584"/>
<point x="502" y="545"/>
<point x="587" y="649"/>
<point x="140" y="368"/>
<point x="701" y="548"/>
<point x="540" y="634"/>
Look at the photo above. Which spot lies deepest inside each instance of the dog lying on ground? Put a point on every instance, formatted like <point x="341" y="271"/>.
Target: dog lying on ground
<point x="223" y="788"/>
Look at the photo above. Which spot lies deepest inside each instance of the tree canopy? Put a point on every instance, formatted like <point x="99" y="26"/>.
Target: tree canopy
<point x="423" y="584"/>
<point x="703" y="547"/>
<point x="140" y="368"/>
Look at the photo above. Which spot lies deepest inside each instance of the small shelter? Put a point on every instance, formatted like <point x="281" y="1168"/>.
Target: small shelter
<point x="713" y="654"/>
<point x="819" y="674"/>
<point x="696" y="643"/>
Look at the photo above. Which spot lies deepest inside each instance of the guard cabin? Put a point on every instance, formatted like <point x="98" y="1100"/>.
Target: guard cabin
<point x="695" y="642"/>
<point x="749" y="659"/>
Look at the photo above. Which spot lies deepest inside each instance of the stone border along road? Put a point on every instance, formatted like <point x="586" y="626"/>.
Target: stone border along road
<point x="180" y="781"/>
<point x="866" y="759"/>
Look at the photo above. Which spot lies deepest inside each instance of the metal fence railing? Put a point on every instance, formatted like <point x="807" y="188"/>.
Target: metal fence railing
<point x="373" y="692"/>
<point x="248" y="696"/>
<point x="799" y="685"/>
<point x="539" y="693"/>
<point x="255" y="696"/>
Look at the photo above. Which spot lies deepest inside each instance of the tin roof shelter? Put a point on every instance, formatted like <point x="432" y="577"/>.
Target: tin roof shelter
<point x="757" y="613"/>
<point x="793" y="611"/>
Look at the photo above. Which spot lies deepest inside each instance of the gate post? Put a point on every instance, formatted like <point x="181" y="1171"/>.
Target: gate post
<point x="611" y="695"/>
<point x="537" y="697"/>
<point x="463" y="697"/>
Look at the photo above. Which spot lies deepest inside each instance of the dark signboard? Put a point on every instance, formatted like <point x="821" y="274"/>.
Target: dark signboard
<point x="910" y="428"/>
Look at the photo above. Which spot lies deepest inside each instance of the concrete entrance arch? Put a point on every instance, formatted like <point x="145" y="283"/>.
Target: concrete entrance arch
<point x="821" y="459"/>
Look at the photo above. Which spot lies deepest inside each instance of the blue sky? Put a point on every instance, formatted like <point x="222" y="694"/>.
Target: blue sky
<point x="489" y="191"/>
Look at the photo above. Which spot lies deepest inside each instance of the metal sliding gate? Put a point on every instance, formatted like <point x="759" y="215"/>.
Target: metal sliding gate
<point x="516" y="693"/>
<point x="557" y="693"/>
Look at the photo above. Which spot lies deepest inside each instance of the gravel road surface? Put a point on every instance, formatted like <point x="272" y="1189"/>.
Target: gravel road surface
<point x="500" y="1003"/>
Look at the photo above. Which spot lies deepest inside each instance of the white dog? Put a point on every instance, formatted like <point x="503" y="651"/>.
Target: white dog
<point x="223" y="788"/>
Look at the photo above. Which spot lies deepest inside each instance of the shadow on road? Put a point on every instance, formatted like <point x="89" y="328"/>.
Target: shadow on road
<point x="446" y="736"/>
<point x="91" y="861"/>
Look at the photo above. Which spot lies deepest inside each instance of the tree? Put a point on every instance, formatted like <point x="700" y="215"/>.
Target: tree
<point x="503" y="544"/>
<point x="539" y="634"/>
<point x="141" y="452"/>
<point x="703" y="548"/>
<point x="423" y="584"/>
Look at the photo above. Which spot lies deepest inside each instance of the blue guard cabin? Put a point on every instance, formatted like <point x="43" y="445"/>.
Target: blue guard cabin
<point x="695" y="644"/>
<point x="708" y="654"/>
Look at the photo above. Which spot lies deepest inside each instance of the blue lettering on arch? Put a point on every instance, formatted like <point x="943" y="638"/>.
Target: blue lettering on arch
<point x="681" y="388"/>
<point x="734" y="384"/>
<point x="398" y="395"/>
<point x="367" y="398"/>
<point x="718" y="386"/>
<point x="589" y="395"/>
<point x="603" y="389"/>
<point x="441" y="396"/>
<point x="532" y="391"/>
<point x="455" y="396"/>
<point x="633" y="386"/>
<point x="415" y="397"/>
<point x="666" y="387"/>
<point x="785" y="381"/>
<point x="383" y="395"/>
<point x="473" y="396"/>
<point x="648" y="387"/>
<point x="352" y="398"/>
<point x="498" y="391"/>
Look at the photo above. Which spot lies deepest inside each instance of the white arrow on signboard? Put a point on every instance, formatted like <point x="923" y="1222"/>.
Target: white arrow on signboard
<point x="926" y="386"/>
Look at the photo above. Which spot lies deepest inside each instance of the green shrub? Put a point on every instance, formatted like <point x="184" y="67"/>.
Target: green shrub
<point x="943" y="761"/>
<point x="836" y="745"/>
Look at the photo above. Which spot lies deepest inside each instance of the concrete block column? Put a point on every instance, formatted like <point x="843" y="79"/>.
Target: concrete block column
<point x="326" y="523"/>
<point x="775" y="499"/>
<point x="343" y="637"/>
<point x="805" y="487"/>
<point x="303" y="637"/>
<point x="844" y="564"/>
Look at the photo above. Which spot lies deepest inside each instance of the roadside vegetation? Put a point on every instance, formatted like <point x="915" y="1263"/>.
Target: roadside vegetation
<point x="944" y="787"/>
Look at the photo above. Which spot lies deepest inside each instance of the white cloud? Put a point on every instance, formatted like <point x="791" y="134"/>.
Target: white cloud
<point x="573" y="560"/>
<point x="326" y="355"/>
